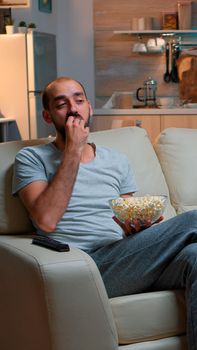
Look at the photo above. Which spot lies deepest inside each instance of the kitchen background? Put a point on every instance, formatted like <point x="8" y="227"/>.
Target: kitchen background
<point x="90" y="51"/>
<point x="117" y="67"/>
<point x="72" y="23"/>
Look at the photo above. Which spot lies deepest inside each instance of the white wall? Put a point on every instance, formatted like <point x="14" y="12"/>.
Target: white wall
<point x="72" y="22"/>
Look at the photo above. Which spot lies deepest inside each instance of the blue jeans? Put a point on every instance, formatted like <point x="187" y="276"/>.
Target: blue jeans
<point x="161" y="257"/>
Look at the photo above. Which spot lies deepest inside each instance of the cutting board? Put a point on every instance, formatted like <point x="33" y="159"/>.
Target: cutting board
<point x="187" y="72"/>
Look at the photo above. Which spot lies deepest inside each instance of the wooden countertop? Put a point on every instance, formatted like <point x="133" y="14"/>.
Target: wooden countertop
<point x="6" y="120"/>
<point x="145" y="111"/>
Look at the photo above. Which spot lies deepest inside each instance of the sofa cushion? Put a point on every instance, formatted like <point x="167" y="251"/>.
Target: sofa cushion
<point x="135" y="143"/>
<point x="176" y="149"/>
<point x="13" y="217"/>
<point x="149" y="316"/>
<point x="52" y="300"/>
<point x="170" y="343"/>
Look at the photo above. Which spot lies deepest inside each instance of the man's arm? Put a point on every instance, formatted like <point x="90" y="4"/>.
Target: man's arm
<point x="46" y="202"/>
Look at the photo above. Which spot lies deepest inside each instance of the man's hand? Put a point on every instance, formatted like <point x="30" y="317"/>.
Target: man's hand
<point x="136" y="227"/>
<point x="77" y="133"/>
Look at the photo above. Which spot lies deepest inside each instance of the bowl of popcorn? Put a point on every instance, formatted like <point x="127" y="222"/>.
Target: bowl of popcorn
<point x="144" y="209"/>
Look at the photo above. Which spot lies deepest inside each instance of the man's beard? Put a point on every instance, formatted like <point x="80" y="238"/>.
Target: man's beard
<point x="62" y="130"/>
<point x="89" y="121"/>
<point x="76" y="114"/>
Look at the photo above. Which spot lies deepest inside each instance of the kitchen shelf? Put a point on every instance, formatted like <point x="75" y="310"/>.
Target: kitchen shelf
<point x="16" y="4"/>
<point x="163" y="32"/>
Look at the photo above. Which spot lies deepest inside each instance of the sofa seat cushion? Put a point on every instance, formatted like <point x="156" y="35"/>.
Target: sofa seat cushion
<point x="170" y="343"/>
<point x="149" y="316"/>
<point x="176" y="150"/>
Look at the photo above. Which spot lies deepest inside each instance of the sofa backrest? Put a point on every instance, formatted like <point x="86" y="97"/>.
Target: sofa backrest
<point x="13" y="216"/>
<point x="135" y="143"/>
<point x="131" y="140"/>
<point x="176" y="149"/>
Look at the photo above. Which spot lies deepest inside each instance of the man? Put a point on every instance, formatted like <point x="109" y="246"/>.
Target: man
<point x="66" y="187"/>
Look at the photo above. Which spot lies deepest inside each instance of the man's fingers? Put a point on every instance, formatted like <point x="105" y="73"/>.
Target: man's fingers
<point x="126" y="226"/>
<point x="160" y="219"/>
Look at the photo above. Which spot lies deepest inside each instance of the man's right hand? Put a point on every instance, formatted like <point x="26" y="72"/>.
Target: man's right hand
<point x="76" y="133"/>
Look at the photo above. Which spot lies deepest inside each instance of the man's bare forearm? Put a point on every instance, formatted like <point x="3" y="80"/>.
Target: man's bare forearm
<point x="50" y="205"/>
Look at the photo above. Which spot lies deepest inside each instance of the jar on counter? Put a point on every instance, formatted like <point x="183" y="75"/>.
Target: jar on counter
<point x="184" y="14"/>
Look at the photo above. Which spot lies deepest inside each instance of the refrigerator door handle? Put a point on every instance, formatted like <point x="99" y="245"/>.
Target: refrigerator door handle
<point x="37" y="92"/>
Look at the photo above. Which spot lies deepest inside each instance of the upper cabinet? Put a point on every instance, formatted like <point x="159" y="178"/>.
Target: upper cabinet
<point x="14" y="3"/>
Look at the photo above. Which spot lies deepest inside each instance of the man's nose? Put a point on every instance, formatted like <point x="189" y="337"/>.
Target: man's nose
<point x="72" y="107"/>
<point x="72" y="110"/>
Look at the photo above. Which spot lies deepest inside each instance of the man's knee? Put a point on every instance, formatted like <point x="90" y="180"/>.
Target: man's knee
<point x="189" y="217"/>
<point x="189" y="255"/>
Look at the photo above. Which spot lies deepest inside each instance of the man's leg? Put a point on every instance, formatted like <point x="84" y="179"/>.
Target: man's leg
<point x="142" y="261"/>
<point x="182" y="273"/>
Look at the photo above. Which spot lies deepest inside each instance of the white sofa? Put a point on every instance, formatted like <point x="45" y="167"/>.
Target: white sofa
<point x="57" y="301"/>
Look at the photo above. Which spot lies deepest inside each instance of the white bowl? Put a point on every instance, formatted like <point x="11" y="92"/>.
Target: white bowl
<point x="155" y="49"/>
<point x="139" y="47"/>
<point x="190" y="105"/>
<point x="151" y="42"/>
<point x="145" y="208"/>
<point x="160" y="42"/>
<point x="165" y="101"/>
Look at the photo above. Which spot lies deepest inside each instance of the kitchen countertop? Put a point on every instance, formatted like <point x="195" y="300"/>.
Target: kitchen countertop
<point x="6" y="120"/>
<point x="145" y="111"/>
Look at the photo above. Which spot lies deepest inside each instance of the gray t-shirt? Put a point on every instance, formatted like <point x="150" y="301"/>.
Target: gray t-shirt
<point x="87" y="223"/>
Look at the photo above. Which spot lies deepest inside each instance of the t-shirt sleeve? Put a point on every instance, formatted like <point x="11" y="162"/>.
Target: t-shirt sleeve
<point x="128" y="183"/>
<point x="28" y="167"/>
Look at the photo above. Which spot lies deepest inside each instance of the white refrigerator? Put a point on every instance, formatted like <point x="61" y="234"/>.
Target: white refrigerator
<point x="27" y="64"/>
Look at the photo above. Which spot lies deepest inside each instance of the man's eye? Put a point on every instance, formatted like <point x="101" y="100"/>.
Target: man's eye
<point x="80" y="100"/>
<point x="62" y="105"/>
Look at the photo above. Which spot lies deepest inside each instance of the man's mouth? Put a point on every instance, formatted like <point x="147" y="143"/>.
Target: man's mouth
<point x="73" y="114"/>
<point x="77" y="115"/>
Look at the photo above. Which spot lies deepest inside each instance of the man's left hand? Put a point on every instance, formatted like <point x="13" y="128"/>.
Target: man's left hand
<point x="136" y="227"/>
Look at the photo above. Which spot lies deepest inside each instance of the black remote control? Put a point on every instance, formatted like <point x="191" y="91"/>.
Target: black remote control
<point x="50" y="243"/>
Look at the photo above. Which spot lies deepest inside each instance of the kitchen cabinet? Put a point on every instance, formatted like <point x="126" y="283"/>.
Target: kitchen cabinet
<point x="154" y="121"/>
<point x="149" y="122"/>
<point x="178" y="121"/>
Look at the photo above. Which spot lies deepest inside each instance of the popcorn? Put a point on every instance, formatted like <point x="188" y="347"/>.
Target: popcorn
<point x="146" y="208"/>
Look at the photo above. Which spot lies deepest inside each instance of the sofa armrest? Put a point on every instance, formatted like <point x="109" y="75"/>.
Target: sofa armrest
<point x="52" y="300"/>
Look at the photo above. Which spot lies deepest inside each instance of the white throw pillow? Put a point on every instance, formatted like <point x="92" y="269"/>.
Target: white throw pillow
<point x="176" y="149"/>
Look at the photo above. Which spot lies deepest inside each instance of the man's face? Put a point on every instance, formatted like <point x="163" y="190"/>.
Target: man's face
<point x="67" y="98"/>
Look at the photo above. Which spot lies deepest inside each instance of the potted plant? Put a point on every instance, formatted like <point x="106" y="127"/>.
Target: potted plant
<point x="22" y="27"/>
<point x="31" y="27"/>
<point x="9" y="25"/>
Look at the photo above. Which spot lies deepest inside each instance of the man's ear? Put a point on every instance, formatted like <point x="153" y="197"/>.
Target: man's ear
<point x="47" y="117"/>
<point x="90" y="109"/>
